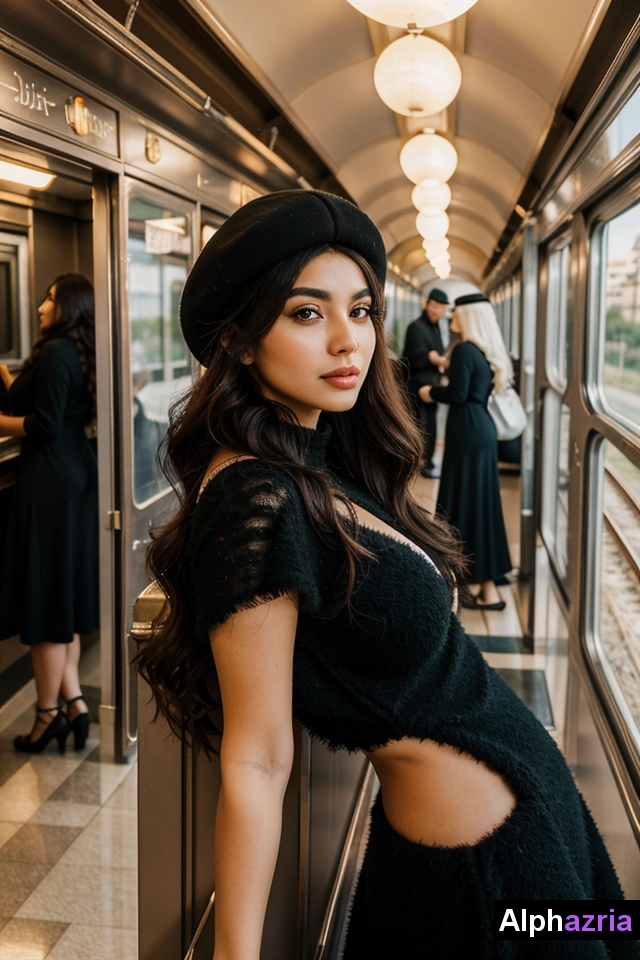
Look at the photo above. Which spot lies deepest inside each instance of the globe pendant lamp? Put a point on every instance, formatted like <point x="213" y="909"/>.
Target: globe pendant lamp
<point x="432" y="228"/>
<point x="428" y="159"/>
<point x="443" y="272"/>
<point x="417" y="76"/>
<point x="424" y="13"/>
<point x="442" y="261"/>
<point x="431" y="200"/>
<point x="434" y="248"/>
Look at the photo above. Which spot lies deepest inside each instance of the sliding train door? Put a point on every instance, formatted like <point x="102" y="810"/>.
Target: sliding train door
<point x="155" y="367"/>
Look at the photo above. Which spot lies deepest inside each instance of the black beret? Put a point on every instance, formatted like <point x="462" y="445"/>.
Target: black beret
<point x="258" y="236"/>
<point x="471" y="298"/>
<point x="438" y="295"/>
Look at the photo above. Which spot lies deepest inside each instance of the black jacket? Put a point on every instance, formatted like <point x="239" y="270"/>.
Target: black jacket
<point x="422" y="337"/>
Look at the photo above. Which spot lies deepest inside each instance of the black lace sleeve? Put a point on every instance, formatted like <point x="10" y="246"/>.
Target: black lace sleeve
<point x="251" y="541"/>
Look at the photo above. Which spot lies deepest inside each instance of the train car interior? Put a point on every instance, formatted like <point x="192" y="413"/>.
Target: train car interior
<point x="129" y="131"/>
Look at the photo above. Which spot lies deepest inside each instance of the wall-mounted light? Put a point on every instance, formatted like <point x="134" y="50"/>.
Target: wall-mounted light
<point x="428" y="159"/>
<point x="26" y="176"/>
<point x="417" y="76"/>
<point x="401" y="13"/>
<point x="432" y="228"/>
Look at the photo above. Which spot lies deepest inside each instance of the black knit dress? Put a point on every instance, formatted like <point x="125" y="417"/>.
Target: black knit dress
<point x="49" y="587"/>
<point x="469" y="492"/>
<point x="398" y="664"/>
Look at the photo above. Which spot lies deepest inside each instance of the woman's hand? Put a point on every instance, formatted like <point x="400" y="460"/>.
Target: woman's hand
<point x="12" y="426"/>
<point x="425" y="394"/>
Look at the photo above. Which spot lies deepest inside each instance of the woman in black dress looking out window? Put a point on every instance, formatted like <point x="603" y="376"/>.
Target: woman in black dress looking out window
<point x="300" y="560"/>
<point x="49" y="589"/>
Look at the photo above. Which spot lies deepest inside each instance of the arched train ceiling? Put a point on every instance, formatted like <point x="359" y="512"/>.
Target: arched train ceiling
<point x="316" y="60"/>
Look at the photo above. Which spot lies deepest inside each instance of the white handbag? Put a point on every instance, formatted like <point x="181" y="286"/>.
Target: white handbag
<point x="507" y="413"/>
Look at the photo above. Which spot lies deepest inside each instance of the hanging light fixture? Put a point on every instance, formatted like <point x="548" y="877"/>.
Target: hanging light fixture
<point x="432" y="228"/>
<point x="424" y="13"/>
<point x="417" y="76"/>
<point x="437" y="262"/>
<point x="428" y="159"/>
<point x="435" y="247"/>
<point x="431" y="200"/>
<point x="443" y="272"/>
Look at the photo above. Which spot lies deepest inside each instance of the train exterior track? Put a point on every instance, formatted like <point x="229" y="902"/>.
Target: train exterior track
<point x="619" y="626"/>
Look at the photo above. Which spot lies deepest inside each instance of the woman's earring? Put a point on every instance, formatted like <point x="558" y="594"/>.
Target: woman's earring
<point x="246" y="358"/>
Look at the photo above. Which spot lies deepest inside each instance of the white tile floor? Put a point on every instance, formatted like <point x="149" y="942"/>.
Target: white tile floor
<point x="68" y="851"/>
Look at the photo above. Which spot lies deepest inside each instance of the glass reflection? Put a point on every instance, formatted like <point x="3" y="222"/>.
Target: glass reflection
<point x="159" y="248"/>
<point x="620" y="282"/>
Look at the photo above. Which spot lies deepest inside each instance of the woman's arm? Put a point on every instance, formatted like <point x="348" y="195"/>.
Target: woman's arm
<point x="253" y="652"/>
<point x="7" y="379"/>
<point x="12" y="426"/>
<point x="460" y="369"/>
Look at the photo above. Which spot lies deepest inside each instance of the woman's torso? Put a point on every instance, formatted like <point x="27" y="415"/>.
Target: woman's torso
<point x="432" y="792"/>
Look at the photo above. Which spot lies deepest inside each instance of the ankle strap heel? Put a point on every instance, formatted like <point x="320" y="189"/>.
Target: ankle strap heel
<point x="57" y="729"/>
<point x="79" y="725"/>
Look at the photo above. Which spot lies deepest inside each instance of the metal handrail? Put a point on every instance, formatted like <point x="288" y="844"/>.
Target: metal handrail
<point x="203" y="919"/>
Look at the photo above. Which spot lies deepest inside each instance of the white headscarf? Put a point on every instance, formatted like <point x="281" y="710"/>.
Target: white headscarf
<point x="478" y="324"/>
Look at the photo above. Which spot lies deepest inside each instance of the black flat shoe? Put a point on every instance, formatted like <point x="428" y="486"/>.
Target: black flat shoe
<point x="79" y="725"/>
<point x="57" y="729"/>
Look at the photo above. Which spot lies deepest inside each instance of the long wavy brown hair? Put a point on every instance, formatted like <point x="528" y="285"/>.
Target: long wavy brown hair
<point x="377" y="443"/>
<point x="75" y="319"/>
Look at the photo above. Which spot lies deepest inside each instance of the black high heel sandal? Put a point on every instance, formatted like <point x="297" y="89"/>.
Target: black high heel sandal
<point x="79" y="725"/>
<point x="57" y="729"/>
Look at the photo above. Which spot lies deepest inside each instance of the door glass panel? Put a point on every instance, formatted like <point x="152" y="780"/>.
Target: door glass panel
<point x="159" y="248"/>
<point x="617" y="632"/>
<point x="620" y="315"/>
<point x="555" y="497"/>
<point x="557" y="302"/>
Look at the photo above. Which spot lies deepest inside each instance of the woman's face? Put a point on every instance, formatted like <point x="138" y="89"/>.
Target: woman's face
<point x="316" y="355"/>
<point x="48" y="310"/>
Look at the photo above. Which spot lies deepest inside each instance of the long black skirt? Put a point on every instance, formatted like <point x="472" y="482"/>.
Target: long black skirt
<point x="49" y="584"/>
<point x="418" y="902"/>
<point x="469" y="492"/>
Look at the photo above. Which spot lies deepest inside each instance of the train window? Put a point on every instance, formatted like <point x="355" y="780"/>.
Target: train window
<point x="617" y="595"/>
<point x="159" y="249"/>
<point x="555" y="495"/>
<point x="557" y="301"/>
<point x="618" y="251"/>
<point x="14" y="298"/>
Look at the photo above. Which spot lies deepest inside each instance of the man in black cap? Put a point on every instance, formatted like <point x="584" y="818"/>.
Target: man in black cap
<point x="424" y="356"/>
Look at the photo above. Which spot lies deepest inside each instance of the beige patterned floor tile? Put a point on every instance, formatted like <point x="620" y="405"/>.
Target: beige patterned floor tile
<point x="65" y="814"/>
<point x="110" y="840"/>
<point x="17" y="882"/>
<point x="38" y="843"/>
<point x="81" y="942"/>
<point x="7" y="830"/>
<point x="29" y="939"/>
<point x="125" y="797"/>
<point x="81" y="893"/>
<point x="28" y="789"/>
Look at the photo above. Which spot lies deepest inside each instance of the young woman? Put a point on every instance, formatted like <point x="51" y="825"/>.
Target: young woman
<point x="49" y="587"/>
<point x="300" y="560"/>
<point x="469" y="492"/>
